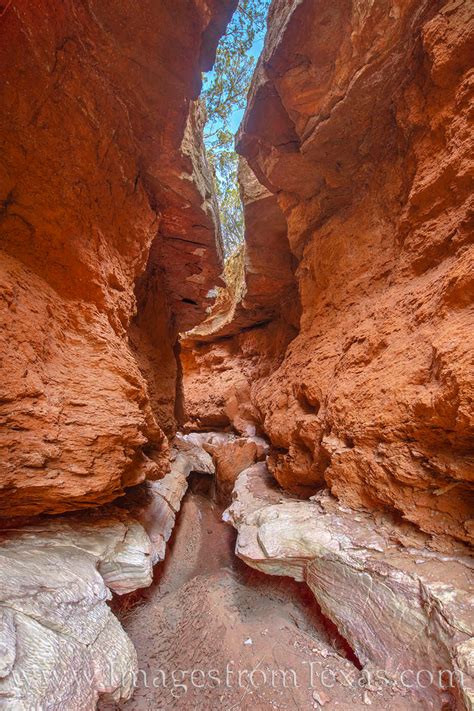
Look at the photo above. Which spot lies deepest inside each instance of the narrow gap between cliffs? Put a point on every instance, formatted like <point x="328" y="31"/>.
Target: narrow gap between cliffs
<point x="204" y="598"/>
<point x="207" y="608"/>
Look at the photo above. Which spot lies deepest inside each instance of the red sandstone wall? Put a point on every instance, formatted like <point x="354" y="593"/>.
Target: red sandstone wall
<point x="250" y="324"/>
<point x="358" y="121"/>
<point x="219" y="376"/>
<point x="103" y="202"/>
<point x="370" y="153"/>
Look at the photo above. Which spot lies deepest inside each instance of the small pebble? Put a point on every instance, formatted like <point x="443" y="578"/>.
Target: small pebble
<point x="320" y="697"/>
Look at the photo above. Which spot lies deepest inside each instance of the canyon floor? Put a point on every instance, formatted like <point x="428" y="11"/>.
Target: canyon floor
<point x="207" y="610"/>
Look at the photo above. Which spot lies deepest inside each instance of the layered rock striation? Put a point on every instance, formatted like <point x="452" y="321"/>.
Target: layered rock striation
<point x="358" y="125"/>
<point x="404" y="605"/>
<point x="61" y="644"/>
<point x="109" y="240"/>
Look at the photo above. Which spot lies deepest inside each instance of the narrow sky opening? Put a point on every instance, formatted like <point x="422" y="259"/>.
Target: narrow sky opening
<point x="225" y="93"/>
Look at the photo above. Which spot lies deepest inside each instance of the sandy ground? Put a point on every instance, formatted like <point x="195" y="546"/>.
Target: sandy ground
<point x="213" y="634"/>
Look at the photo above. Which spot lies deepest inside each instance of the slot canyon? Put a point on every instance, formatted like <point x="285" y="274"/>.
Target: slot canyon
<point x="240" y="482"/>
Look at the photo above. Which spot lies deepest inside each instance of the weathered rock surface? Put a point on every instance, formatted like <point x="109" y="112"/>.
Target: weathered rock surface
<point x="60" y="645"/>
<point x="250" y="324"/>
<point x="108" y="233"/>
<point x="358" y="122"/>
<point x="218" y="377"/>
<point x="64" y="646"/>
<point x="403" y="604"/>
<point x="156" y="504"/>
<point x="230" y="456"/>
<point x="260" y="283"/>
<point x="209" y="611"/>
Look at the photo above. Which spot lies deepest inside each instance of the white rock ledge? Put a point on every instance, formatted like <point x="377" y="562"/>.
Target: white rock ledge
<point x="401" y="599"/>
<point x="60" y="644"/>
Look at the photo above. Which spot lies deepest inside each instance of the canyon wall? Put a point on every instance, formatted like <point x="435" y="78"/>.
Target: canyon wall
<point x="358" y="126"/>
<point x="249" y="325"/>
<point x="108" y="242"/>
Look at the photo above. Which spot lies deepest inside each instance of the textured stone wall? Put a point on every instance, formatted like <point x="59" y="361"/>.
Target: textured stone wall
<point x="358" y="122"/>
<point x="108" y="239"/>
<point x="250" y="323"/>
<point x="369" y="152"/>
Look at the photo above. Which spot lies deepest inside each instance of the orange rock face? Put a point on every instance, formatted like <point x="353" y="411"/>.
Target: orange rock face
<point x="374" y="177"/>
<point x="108" y="239"/>
<point x="218" y="377"/>
<point x="250" y="324"/>
<point x="358" y="121"/>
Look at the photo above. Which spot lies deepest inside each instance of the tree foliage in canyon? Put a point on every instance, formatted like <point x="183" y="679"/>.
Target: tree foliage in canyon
<point x="225" y="93"/>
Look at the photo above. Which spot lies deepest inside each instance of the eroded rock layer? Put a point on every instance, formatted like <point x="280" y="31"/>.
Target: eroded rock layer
<point x="61" y="645"/>
<point x="252" y="320"/>
<point x="108" y="234"/>
<point x="402" y="604"/>
<point x="358" y="123"/>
